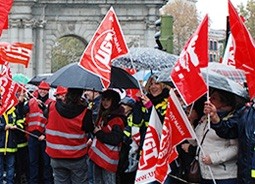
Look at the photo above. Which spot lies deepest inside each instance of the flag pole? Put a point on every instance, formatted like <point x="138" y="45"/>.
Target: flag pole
<point x="26" y="132"/>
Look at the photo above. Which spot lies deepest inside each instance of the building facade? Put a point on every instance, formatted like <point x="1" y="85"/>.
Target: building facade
<point x="42" y="22"/>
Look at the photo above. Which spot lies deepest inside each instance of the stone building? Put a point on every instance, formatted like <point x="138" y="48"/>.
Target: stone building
<point x="42" y="22"/>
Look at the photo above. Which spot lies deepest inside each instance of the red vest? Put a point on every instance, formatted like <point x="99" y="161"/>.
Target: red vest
<point x="65" y="137"/>
<point x="35" y="120"/>
<point x="105" y="155"/>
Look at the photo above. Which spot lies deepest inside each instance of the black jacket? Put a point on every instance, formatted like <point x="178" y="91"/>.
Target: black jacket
<point x="242" y="126"/>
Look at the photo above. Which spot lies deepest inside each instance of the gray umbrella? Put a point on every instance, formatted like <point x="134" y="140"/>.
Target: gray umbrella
<point x="215" y="80"/>
<point x="146" y="58"/>
<point x="218" y="81"/>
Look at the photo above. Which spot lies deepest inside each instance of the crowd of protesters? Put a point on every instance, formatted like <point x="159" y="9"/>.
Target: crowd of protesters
<point x="85" y="136"/>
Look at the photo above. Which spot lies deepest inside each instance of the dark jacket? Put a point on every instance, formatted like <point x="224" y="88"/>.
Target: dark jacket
<point x="9" y="117"/>
<point x="242" y="126"/>
<point x="115" y="137"/>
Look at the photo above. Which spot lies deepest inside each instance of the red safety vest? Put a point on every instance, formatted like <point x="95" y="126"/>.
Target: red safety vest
<point x="65" y="137"/>
<point x="34" y="119"/>
<point x="105" y="155"/>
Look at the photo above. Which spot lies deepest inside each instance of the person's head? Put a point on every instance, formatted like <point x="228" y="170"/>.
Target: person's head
<point x="43" y="89"/>
<point x="127" y="103"/>
<point x="196" y="111"/>
<point x="73" y="96"/>
<point x="60" y="93"/>
<point x="222" y="100"/>
<point x="91" y="94"/>
<point x="153" y="87"/>
<point x="110" y="100"/>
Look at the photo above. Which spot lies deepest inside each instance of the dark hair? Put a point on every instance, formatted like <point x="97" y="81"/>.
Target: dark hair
<point x="73" y="96"/>
<point x="115" y="97"/>
<point x="229" y="98"/>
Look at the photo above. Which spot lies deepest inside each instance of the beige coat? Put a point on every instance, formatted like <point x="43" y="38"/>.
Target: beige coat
<point x="223" y="153"/>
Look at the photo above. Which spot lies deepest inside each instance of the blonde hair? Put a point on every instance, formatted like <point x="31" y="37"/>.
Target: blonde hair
<point x="149" y="81"/>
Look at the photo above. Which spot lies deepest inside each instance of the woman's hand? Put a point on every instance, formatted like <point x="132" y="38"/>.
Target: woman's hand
<point x="207" y="160"/>
<point x="97" y="128"/>
<point x="185" y="147"/>
<point x="211" y="110"/>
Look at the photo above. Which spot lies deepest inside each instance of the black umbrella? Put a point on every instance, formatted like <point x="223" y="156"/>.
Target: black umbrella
<point x="73" y="76"/>
<point x="146" y="58"/>
<point x="38" y="78"/>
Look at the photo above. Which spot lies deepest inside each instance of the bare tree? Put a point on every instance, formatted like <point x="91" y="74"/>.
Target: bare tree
<point x="185" y="18"/>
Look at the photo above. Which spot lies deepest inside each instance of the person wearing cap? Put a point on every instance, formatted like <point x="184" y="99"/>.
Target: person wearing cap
<point x="108" y="135"/>
<point x="60" y="93"/>
<point x="39" y="161"/>
<point x="69" y="121"/>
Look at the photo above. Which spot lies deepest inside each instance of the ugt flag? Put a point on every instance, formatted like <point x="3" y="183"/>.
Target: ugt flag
<point x="176" y="128"/>
<point x="18" y="52"/>
<point x="244" y="48"/>
<point x="186" y="74"/>
<point x="8" y="89"/>
<point x="149" y="156"/>
<point x="5" y="7"/>
<point x="106" y="44"/>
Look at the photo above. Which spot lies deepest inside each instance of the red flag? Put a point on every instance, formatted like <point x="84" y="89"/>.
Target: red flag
<point x="176" y="128"/>
<point x="148" y="158"/>
<point x="20" y="53"/>
<point x="186" y="74"/>
<point x="8" y="89"/>
<point x="107" y="43"/>
<point x="5" y="7"/>
<point x="244" y="50"/>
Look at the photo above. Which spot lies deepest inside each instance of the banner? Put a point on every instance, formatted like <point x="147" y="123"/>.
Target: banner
<point x="107" y="43"/>
<point x="149" y="156"/>
<point x="5" y="7"/>
<point x="176" y="129"/>
<point x="8" y="90"/>
<point x="244" y="48"/>
<point x="186" y="74"/>
<point x="19" y="53"/>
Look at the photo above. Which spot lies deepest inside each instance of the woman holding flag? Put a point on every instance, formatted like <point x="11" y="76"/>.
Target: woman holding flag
<point x="218" y="156"/>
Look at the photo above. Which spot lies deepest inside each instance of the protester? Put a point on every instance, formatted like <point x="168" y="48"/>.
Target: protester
<point x="129" y="150"/>
<point x="22" y="156"/>
<point x="39" y="161"/>
<point x="8" y="145"/>
<point x="157" y="94"/>
<point x="218" y="154"/>
<point x="108" y="135"/>
<point x="60" y="93"/>
<point x="68" y="122"/>
<point x="94" y="99"/>
<point x="240" y="125"/>
<point x="186" y="150"/>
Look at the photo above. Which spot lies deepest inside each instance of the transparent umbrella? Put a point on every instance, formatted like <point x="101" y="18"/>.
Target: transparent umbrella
<point x="144" y="58"/>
